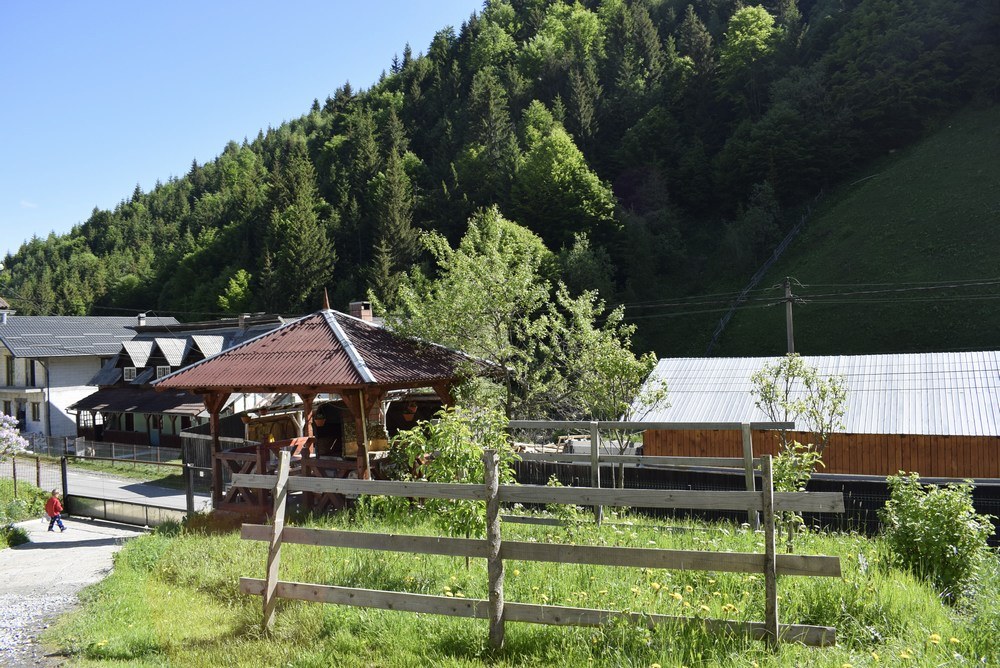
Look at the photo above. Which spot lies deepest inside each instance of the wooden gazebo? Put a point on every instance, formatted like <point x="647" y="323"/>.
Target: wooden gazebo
<point x="326" y="352"/>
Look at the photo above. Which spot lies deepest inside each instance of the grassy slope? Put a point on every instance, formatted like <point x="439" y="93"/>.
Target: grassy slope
<point x="175" y="601"/>
<point x="929" y="213"/>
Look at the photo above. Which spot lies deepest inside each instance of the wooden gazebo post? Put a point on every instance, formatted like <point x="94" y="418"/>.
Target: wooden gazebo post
<point x="214" y="403"/>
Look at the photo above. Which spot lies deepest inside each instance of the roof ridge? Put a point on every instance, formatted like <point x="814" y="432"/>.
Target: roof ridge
<point x="345" y="341"/>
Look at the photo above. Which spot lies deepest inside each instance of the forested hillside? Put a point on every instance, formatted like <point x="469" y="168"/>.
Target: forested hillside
<point x="659" y="148"/>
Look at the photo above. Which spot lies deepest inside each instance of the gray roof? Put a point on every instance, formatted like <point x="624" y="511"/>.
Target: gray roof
<point x="138" y="352"/>
<point x="41" y="336"/>
<point x="914" y="393"/>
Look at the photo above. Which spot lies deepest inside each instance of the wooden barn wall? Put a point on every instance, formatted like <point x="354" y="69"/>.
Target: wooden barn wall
<point x="860" y="454"/>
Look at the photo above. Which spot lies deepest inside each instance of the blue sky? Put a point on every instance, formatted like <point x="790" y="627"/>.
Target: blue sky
<point x="98" y="96"/>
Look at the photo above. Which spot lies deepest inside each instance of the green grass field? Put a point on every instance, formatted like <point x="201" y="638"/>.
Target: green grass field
<point x="174" y="600"/>
<point x="927" y="215"/>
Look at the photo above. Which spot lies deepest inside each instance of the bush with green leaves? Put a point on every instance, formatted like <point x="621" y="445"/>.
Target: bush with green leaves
<point x="449" y="449"/>
<point x="935" y="532"/>
<point x="792" y="470"/>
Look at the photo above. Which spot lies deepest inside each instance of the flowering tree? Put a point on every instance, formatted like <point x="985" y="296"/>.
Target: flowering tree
<point x="11" y="442"/>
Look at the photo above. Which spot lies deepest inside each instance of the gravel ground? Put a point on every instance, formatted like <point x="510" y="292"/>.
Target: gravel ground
<point x="40" y="580"/>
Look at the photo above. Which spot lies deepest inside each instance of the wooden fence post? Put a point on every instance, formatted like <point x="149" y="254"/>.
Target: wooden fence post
<point x="770" y="559"/>
<point x="494" y="562"/>
<point x="274" y="548"/>
<point x="13" y="467"/>
<point x="752" y="516"/>
<point x="38" y="472"/>
<point x="595" y="467"/>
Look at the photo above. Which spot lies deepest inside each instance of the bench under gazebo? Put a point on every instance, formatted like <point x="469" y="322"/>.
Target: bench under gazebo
<point x="327" y="352"/>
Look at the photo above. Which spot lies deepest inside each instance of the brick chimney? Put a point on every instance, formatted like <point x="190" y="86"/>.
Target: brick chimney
<point x="362" y="310"/>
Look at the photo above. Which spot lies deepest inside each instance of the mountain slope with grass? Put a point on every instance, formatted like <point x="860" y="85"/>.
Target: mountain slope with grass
<point x="902" y="259"/>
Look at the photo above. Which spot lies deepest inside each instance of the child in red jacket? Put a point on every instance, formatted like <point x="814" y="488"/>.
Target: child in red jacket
<point x="54" y="508"/>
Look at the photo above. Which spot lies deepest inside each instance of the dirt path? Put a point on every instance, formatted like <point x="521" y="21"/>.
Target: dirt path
<point x="40" y="580"/>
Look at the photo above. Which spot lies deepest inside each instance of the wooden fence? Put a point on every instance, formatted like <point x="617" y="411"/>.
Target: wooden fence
<point x="495" y="550"/>
<point x="858" y="454"/>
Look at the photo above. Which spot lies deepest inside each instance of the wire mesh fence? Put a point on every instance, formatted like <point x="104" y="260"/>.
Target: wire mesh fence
<point x="34" y="471"/>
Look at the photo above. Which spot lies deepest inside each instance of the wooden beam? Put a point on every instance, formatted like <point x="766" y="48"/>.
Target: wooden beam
<point x="830" y="502"/>
<point x="274" y="546"/>
<point x="817" y="636"/>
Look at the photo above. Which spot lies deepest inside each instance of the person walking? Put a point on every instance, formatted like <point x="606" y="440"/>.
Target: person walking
<point x="54" y="508"/>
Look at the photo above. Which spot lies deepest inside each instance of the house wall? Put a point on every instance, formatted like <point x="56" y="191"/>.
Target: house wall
<point x="858" y="454"/>
<point x="63" y="379"/>
<point x="68" y="384"/>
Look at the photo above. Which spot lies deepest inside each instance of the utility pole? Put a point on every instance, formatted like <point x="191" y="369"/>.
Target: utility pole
<point x="789" y="333"/>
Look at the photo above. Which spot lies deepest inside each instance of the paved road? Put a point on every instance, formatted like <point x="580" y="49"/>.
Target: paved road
<point x="107" y="486"/>
<point x="41" y="580"/>
<point x="101" y="485"/>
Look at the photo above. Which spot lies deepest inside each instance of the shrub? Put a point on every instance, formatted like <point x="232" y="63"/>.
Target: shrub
<point x="448" y="450"/>
<point x="936" y="533"/>
<point x="12" y="535"/>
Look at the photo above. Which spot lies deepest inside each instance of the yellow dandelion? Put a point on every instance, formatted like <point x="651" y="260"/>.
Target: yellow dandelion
<point x="460" y="594"/>
<point x="953" y="640"/>
<point x="655" y="585"/>
<point x="716" y="593"/>
<point x="545" y="597"/>
<point x="689" y="589"/>
<point x="703" y="608"/>
<point x="906" y="654"/>
<point x="635" y="590"/>
<point x="449" y="594"/>
<point x="447" y="588"/>
<point x="711" y="581"/>
<point x="603" y="592"/>
<point x="934" y="639"/>
<point x="846" y="665"/>
<point x="677" y="596"/>
<point x="686" y="604"/>
<point x="654" y="665"/>
<point x="875" y="657"/>
<point x="516" y="572"/>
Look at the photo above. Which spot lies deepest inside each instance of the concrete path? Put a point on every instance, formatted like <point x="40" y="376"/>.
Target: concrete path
<point x="40" y="580"/>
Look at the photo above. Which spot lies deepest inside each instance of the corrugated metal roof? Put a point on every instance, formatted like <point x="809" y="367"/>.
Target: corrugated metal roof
<point x="209" y="344"/>
<point x="140" y="400"/>
<point x="913" y="393"/>
<point x="138" y="352"/>
<point x="308" y="353"/>
<point x="174" y="349"/>
<point x="41" y="336"/>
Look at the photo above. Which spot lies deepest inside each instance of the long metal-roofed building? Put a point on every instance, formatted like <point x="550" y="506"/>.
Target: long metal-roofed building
<point x="48" y="361"/>
<point x="937" y="414"/>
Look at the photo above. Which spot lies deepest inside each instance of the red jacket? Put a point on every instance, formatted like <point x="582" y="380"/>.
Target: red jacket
<point x="53" y="506"/>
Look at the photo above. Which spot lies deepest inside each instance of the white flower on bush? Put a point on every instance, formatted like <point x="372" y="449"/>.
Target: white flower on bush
<point x="11" y="441"/>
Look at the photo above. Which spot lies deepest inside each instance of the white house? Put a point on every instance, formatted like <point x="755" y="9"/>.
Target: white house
<point x="48" y="361"/>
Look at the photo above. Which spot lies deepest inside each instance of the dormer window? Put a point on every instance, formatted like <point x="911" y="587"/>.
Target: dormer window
<point x="128" y="374"/>
<point x="162" y="371"/>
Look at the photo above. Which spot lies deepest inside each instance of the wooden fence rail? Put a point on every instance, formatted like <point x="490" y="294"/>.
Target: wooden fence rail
<point x="495" y="550"/>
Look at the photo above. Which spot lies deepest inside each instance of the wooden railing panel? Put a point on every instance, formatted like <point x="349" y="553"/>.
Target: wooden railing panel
<point x="496" y="551"/>
<point x="816" y="636"/>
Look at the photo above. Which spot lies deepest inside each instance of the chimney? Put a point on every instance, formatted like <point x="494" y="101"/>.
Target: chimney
<point x="362" y="310"/>
<point x="141" y="319"/>
<point x="243" y="320"/>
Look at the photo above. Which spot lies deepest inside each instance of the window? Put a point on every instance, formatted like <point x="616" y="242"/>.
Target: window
<point x="129" y="422"/>
<point x="7" y="408"/>
<point x="10" y="371"/>
<point x="162" y="371"/>
<point x="128" y="374"/>
<point x="36" y="411"/>
<point x="29" y="373"/>
<point x="185" y="422"/>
